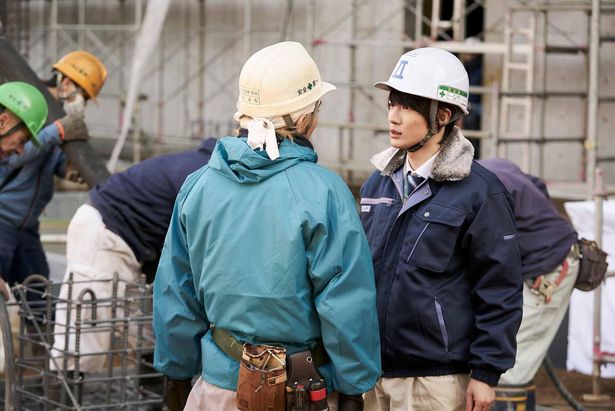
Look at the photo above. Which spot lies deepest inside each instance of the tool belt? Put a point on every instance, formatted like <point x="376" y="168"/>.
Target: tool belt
<point x="592" y="265"/>
<point x="271" y="380"/>
<point x="543" y="287"/>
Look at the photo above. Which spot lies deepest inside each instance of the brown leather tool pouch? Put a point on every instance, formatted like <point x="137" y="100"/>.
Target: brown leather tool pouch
<point x="262" y="377"/>
<point x="592" y="265"/>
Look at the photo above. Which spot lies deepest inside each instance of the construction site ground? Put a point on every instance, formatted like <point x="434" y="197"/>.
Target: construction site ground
<point x="578" y="384"/>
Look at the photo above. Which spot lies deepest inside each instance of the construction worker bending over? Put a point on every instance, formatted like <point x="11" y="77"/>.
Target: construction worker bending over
<point x="122" y="227"/>
<point x="26" y="175"/>
<point x="442" y="235"/>
<point x="265" y="273"/>
<point x="550" y="264"/>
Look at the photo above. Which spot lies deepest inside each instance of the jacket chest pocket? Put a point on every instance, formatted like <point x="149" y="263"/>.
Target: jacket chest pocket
<point x="375" y="213"/>
<point x="439" y="231"/>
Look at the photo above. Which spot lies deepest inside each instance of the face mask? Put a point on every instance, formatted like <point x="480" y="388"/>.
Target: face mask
<point x="75" y="106"/>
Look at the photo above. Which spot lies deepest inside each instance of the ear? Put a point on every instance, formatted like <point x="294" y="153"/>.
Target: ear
<point x="444" y="115"/>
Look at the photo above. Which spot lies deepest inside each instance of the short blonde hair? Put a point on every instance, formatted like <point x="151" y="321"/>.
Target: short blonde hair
<point x="289" y="132"/>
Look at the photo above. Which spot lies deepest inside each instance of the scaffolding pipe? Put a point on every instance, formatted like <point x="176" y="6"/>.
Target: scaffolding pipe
<point x="592" y="100"/>
<point x="597" y="328"/>
<point x="247" y="29"/>
<point x="310" y="25"/>
<point x="418" y="20"/>
<point x="354" y="31"/>
<point x="201" y="79"/>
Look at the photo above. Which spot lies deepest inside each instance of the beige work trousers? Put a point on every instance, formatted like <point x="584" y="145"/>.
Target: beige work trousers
<point x="207" y="397"/>
<point x="93" y="255"/>
<point x="447" y="392"/>
<point x="539" y="325"/>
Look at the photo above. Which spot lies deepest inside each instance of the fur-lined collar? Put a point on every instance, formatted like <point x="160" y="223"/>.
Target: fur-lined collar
<point x="453" y="162"/>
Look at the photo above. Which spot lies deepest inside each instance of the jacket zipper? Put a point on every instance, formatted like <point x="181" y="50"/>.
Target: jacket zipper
<point x="443" y="330"/>
<point x="417" y="241"/>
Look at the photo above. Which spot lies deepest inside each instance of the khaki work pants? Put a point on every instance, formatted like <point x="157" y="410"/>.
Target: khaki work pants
<point x="93" y="255"/>
<point x="447" y="392"/>
<point x="539" y="325"/>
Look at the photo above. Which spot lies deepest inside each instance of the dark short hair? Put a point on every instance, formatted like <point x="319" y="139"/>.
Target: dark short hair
<point x="422" y="105"/>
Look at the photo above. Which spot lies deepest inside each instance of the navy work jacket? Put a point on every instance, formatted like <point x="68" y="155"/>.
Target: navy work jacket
<point x="448" y="274"/>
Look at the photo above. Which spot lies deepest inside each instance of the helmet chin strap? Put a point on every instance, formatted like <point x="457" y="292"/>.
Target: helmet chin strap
<point x="433" y="128"/>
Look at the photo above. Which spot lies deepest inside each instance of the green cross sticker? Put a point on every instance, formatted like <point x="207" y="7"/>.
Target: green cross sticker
<point x="453" y="94"/>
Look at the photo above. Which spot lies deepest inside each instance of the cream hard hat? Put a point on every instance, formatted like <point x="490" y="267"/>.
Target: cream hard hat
<point x="278" y="80"/>
<point x="432" y="73"/>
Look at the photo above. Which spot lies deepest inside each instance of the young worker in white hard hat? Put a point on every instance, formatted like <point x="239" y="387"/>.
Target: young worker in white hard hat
<point x="442" y="235"/>
<point x="266" y="253"/>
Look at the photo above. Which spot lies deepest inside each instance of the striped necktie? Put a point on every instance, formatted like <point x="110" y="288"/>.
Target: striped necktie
<point x="415" y="180"/>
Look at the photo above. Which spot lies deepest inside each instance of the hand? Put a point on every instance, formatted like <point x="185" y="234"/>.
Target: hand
<point x="73" y="175"/>
<point x="176" y="393"/>
<point x="74" y="127"/>
<point x="479" y="396"/>
<point x="4" y="290"/>
<point x="350" y="402"/>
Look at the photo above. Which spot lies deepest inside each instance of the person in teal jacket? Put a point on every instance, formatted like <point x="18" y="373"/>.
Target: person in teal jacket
<point x="267" y="245"/>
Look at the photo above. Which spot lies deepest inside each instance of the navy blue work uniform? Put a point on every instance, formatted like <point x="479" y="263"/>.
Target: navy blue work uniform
<point x="447" y="266"/>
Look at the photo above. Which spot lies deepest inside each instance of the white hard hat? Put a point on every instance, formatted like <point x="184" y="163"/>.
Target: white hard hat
<point x="278" y="80"/>
<point x="432" y="73"/>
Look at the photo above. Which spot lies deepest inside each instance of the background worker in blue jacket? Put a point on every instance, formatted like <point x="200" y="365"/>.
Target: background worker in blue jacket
<point x="267" y="246"/>
<point x="121" y="228"/>
<point x="550" y="264"/>
<point x="26" y="177"/>
<point x="442" y="235"/>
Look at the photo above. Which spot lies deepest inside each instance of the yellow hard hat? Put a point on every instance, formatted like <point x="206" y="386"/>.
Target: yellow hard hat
<point x="84" y="69"/>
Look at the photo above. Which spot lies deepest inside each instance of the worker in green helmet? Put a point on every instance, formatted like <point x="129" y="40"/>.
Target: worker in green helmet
<point x="29" y="158"/>
<point x="23" y="112"/>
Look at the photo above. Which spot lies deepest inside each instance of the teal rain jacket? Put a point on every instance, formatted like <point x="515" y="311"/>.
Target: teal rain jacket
<point x="273" y="252"/>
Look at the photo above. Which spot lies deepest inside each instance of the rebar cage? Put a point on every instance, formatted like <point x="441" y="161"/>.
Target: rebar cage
<point x="45" y="360"/>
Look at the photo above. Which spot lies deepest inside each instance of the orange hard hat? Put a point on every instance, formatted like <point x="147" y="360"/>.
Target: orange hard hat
<point x="87" y="71"/>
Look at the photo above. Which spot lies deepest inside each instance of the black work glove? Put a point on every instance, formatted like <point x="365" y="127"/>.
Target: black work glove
<point x="72" y="174"/>
<point x="176" y="393"/>
<point x="350" y="402"/>
<point x="73" y="127"/>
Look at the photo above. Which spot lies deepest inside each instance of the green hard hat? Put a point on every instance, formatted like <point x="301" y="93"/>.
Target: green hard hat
<point x="27" y="103"/>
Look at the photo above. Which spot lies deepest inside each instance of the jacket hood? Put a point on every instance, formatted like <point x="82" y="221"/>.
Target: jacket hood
<point x="453" y="162"/>
<point x="237" y="161"/>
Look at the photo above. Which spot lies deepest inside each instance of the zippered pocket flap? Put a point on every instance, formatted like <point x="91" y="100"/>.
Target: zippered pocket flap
<point x="437" y="213"/>
<point x="441" y="323"/>
<point x="376" y="201"/>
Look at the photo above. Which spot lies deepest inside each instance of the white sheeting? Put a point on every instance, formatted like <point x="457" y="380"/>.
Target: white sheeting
<point x="580" y="330"/>
<point x="144" y="46"/>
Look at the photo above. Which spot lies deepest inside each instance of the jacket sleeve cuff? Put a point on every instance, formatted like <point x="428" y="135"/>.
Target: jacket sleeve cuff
<point x="489" y="377"/>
